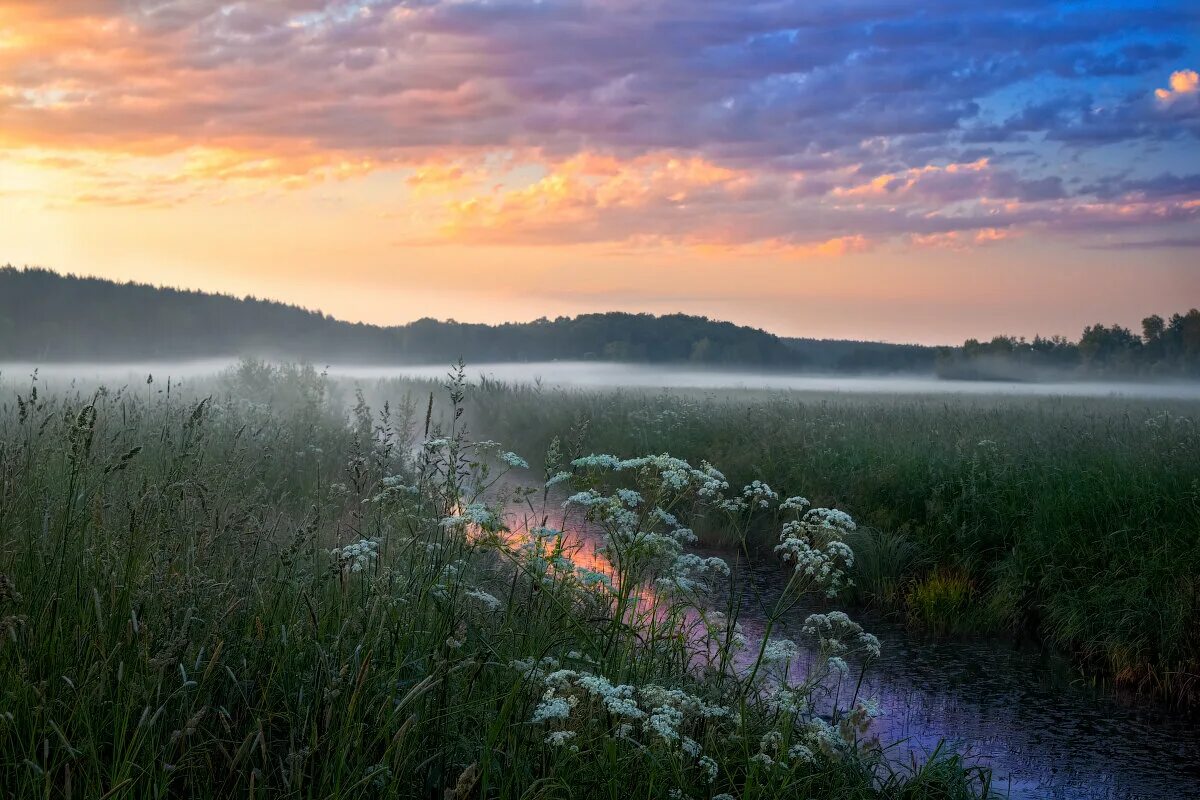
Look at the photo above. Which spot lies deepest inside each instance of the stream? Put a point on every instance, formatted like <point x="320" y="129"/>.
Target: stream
<point x="1014" y="709"/>
<point x="1020" y="711"/>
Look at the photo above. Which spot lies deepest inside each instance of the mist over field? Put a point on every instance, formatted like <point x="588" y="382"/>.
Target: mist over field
<point x="595" y="375"/>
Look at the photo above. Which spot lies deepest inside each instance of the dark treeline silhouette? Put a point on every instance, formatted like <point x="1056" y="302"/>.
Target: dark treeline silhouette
<point x="1165" y="347"/>
<point x="837" y="355"/>
<point x="46" y="316"/>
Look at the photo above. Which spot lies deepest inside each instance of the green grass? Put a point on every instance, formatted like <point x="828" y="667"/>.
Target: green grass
<point x="1075" y="519"/>
<point x="178" y="618"/>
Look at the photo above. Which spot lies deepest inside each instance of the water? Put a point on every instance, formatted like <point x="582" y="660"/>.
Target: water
<point x="592" y="374"/>
<point x="1015" y="710"/>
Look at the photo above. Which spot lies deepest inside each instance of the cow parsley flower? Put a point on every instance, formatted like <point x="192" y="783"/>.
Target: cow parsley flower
<point x="477" y="514"/>
<point x="780" y="651"/>
<point x="558" y="478"/>
<point x="665" y="721"/>
<point x="759" y="494"/>
<point x="799" y="752"/>
<point x="513" y="460"/>
<point x="629" y="497"/>
<point x="551" y="708"/>
<point x="586" y="499"/>
<point x="591" y="578"/>
<point x="794" y="504"/>
<point x="597" y="462"/>
<point x="485" y="599"/>
<point x="734" y="505"/>
<point x="357" y="556"/>
<point x="830" y="518"/>
<point x="788" y="701"/>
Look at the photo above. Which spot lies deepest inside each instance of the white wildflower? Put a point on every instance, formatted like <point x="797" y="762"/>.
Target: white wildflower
<point x="551" y="707"/>
<point x="665" y="722"/>
<point x="557" y="479"/>
<point x="513" y="460"/>
<point x="485" y="599"/>
<point x="735" y="505"/>
<point x="629" y="497"/>
<point x="597" y="462"/>
<point x="780" y="651"/>
<point x="799" y="752"/>
<point x="794" y="504"/>
<point x="357" y="556"/>
<point x="759" y="494"/>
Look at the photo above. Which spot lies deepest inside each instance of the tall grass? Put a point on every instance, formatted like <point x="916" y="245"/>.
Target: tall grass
<point x="257" y="593"/>
<point x="1077" y="519"/>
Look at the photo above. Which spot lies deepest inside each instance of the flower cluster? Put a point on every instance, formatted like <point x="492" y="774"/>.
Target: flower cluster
<point x="838" y="635"/>
<point x="759" y="494"/>
<point x="356" y="556"/>
<point x="513" y="460"/>
<point x="479" y="515"/>
<point x="664" y="717"/>
<point x="813" y="545"/>
<point x="668" y="473"/>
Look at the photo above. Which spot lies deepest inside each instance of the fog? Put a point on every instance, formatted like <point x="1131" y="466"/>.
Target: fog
<point x="590" y="374"/>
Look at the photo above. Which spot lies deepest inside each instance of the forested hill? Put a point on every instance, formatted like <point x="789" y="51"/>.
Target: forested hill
<point x="46" y="317"/>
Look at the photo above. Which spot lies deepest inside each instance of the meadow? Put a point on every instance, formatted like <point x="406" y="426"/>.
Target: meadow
<point x="264" y="586"/>
<point x="1072" y="521"/>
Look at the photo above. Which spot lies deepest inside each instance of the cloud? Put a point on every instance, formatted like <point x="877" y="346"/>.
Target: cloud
<point x="1183" y="84"/>
<point x="799" y="122"/>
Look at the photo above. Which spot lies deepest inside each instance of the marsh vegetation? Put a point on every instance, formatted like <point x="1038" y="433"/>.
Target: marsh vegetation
<point x="253" y="589"/>
<point x="1075" y="520"/>
<point x="312" y="586"/>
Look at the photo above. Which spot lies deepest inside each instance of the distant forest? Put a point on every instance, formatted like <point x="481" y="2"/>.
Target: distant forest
<point x="49" y="317"/>
<point x="1165" y="348"/>
<point x="46" y="317"/>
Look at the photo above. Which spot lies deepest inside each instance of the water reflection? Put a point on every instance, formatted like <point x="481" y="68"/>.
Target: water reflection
<point x="1012" y="709"/>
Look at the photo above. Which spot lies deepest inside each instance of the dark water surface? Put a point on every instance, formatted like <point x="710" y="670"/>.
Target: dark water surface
<point x="1020" y="711"/>
<point x="1015" y="710"/>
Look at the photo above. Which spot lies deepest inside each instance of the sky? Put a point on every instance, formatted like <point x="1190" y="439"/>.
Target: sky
<point x="870" y="169"/>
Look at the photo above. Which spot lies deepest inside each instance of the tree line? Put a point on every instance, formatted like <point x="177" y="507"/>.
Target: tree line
<point x="1164" y="348"/>
<point x="46" y="316"/>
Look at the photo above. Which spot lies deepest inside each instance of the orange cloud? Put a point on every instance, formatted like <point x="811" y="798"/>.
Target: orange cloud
<point x="594" y="196"/>
<point x="962" y="240"/>
<point x="1183" y="82"/>
<point x="894" y="185"/>
<point x="440" y="177"/>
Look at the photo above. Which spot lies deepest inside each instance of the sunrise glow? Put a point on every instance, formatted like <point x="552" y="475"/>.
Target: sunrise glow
<point x="854" y="170"/>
